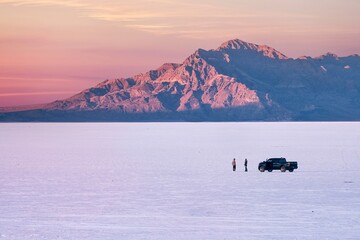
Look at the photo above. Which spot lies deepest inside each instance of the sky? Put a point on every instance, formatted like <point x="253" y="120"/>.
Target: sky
<point x="53" y="49"/>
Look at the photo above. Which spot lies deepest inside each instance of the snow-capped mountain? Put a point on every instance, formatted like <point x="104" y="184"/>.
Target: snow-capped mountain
<point x="236" y="81"/>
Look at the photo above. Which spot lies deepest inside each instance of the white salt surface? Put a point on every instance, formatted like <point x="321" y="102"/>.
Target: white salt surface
<point x="175" y="181"/>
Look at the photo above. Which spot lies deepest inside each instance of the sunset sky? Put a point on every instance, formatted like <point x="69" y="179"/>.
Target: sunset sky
<point x="52" y="49"/>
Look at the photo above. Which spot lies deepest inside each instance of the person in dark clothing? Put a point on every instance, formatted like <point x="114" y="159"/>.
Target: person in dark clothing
<point x="234" y="164"/>
<point x="245" y="164"/>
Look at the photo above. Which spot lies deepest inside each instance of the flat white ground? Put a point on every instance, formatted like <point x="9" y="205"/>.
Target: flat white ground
<point x="175" y="181"/>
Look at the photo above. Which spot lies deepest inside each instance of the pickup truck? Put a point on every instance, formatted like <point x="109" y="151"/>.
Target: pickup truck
<point x="277" y="164"/>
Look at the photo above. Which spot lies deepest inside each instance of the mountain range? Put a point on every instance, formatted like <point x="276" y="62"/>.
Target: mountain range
<point x="238" y="81"/>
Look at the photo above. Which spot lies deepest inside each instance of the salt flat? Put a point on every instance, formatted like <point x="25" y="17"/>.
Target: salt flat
<point x="175" y="181"/>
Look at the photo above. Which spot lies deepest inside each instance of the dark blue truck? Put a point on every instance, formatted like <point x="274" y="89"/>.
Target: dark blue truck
<point x="277" y="164"/>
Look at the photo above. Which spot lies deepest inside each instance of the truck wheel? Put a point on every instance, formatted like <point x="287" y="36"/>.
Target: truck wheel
<point x="291" y="170"/>
<point x="262" y="169"/>
<point x="269" y="170"/>
<point x="283" y="168"/>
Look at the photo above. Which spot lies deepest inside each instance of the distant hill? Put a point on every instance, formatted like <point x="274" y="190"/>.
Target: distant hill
<point x="238" y="81"/>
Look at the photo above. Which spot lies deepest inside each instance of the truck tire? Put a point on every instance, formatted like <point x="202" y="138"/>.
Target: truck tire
<point x="291" y="170"/>
<point x="283" y="169"/>
<point x="269" y="170"/>
<point x="262" y="169"/>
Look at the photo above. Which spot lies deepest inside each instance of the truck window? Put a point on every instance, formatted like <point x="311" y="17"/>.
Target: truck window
<point x="282" y="160"/>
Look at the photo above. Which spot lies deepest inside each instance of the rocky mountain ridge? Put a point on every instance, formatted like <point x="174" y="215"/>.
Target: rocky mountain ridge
<point x="238" y="81"/>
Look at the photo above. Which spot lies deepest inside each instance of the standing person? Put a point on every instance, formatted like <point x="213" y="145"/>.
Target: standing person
<point x="245" y="164"/>
<point x="234" y="164"/>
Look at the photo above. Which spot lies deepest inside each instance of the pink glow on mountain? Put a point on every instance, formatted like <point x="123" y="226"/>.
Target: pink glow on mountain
<point x="86" y="41"/>
<point x="238" y="44"/>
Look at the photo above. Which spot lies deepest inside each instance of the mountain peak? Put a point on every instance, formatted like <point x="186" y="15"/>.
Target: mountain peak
<point x="304" y="58"/>
<point x="329" y="55"/>
<point x="237" y="44"/>
<point x="239" y="81"/>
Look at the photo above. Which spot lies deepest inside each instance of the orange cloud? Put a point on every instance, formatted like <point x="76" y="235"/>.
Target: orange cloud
<point x="185" y="18"/>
